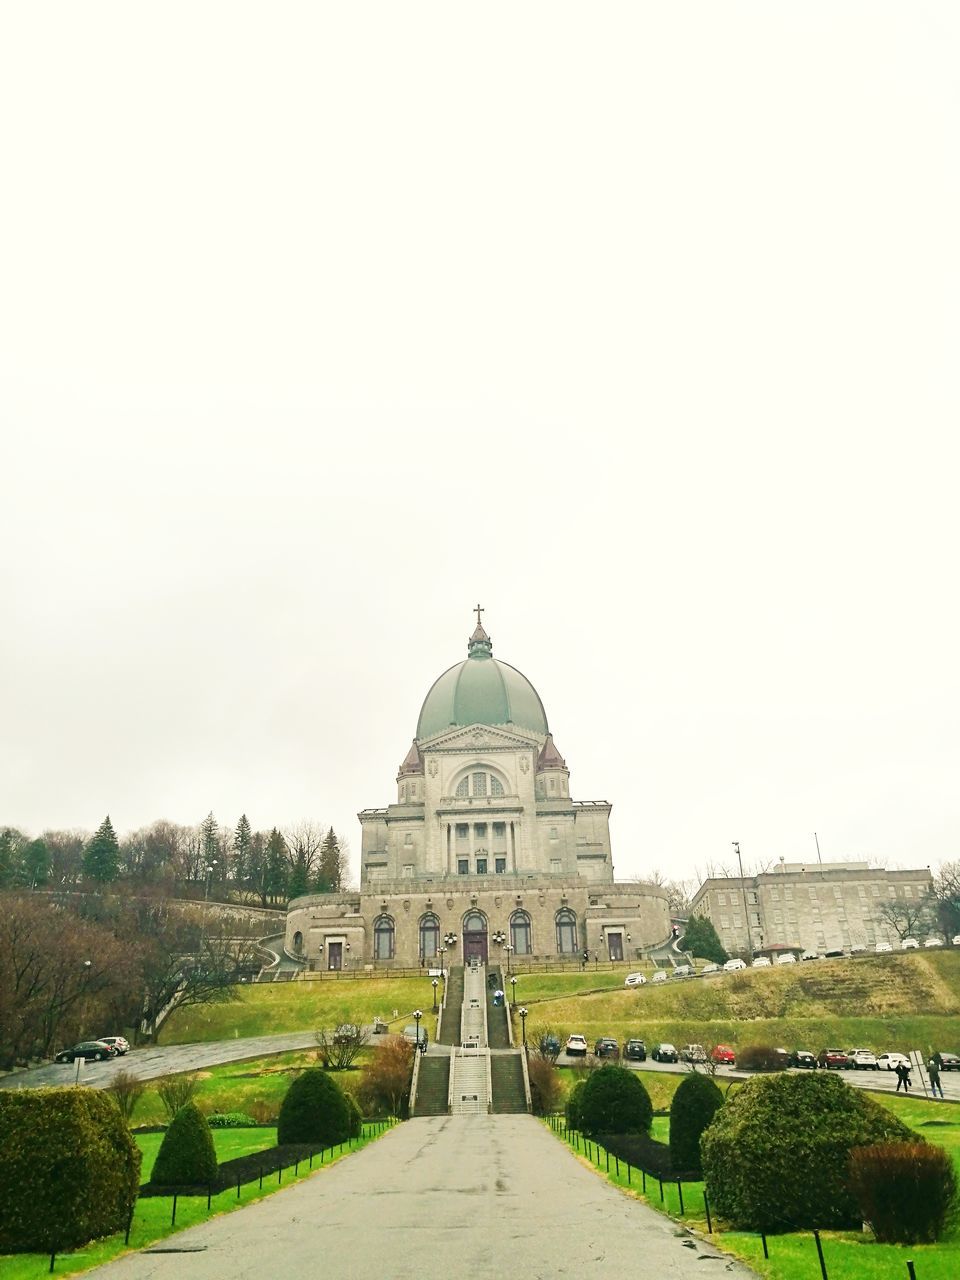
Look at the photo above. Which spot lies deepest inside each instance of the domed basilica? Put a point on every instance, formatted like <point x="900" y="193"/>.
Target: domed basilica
<point x="484" y="850"/>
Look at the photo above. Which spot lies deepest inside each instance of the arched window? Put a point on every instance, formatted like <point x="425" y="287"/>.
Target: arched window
<point x="383" y="938"/>
<point x="463" y="788"/>
<point x="475" y="922"/>
<point x="521" y="934"/>
<point x="478" y="783"/>
<point x="567" y="933"/>
<point x="496" y="786"/>
<point x="429" y="936"/>
<point x="298" y="942"/>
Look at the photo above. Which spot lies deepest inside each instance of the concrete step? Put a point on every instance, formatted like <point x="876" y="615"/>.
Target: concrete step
<point x="453" y="1000"/>
<point x="496" y="1014"/>
<point x="506" y="1071"/>
<point x="433" y="1085"/>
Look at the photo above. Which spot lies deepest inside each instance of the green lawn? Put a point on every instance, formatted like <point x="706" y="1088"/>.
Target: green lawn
<point x="267" y="1009"/>
<point x="849" y="1255"/>
<point x="152" y="1220"/>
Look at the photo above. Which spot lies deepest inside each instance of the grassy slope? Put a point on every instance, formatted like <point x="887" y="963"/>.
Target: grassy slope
<point x="300" y="1006"/>
<point x="869" y="1000"/>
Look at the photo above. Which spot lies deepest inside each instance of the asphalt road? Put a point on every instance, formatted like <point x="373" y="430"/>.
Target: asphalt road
<point x="485" y="1195"/>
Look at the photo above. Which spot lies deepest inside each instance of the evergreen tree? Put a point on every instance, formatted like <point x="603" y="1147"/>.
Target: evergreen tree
<point x="36" y="863"/>
<point x="701" y="939"/>
<point x="330" y="871"/>
<point x="242" y="842"/>
<point x="101" y="858"/>
<point x="8" y="862"/>
<point x="277" y="869"/>
<point x="299" y="882"/>
<point x="210" y="846"/>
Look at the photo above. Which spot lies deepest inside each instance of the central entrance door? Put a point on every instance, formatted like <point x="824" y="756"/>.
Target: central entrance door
<point x="615" y="946"/>
<point x="334" y="955"/>
<point x="475" y="937"/>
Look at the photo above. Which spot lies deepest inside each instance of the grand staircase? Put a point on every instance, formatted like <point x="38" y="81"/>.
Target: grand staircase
<point x="471" y="1080"/>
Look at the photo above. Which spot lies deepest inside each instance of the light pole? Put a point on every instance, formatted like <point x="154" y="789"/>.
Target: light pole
<point x="513" y="990"/>
<point x="87" y="964"/>
<point x="209" y="870"/>
<point x="417" y="1015"/>
<point x="523" y="1022"/>
<point x="435" y="983"/>
<point x="508" y="947"/>
<point x="743" y="890"/>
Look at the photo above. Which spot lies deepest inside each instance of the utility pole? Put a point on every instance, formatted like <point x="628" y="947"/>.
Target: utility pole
<point x="743" y="890"/>
<point x="819" y="859"/>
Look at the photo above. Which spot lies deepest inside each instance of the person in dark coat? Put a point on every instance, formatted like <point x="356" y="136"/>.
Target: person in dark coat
<point x="933" y="1070"/>
<point x="903" y="1077"/>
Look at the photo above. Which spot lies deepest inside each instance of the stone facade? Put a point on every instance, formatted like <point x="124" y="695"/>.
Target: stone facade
<point x="484" y="849"/>
<point x="804" y="906"/>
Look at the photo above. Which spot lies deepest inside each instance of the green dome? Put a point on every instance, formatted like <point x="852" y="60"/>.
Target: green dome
<point x="481" y="690"/>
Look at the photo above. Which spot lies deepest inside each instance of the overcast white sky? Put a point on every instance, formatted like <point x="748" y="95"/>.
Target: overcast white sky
<point x="638" y="323"/>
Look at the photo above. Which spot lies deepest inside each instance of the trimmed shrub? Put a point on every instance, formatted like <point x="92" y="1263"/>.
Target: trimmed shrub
<point x="314" y="1110"/>
<point x="776" y="1156"/>
<point x="694" y="1105"/>
<point x="760" y="1057"/>
<point x="356" y="1116"/>
<point x="187" y="1157"/>
<point x="572" y="1107"/>
<point x="231" y="1120"/>
<point x="906" y="1191"/>
<point x="615" y="1101"/>
<point x="69" y="1169"/>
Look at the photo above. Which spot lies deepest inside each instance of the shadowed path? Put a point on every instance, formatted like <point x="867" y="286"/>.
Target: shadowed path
<point x="448" y="1194"/>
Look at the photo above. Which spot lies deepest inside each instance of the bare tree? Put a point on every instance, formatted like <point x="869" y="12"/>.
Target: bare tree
<point x="546" y="1042"/>
<point x="907" y="919"/>
<point x="338" y="1049"/>
<point x="944" y="898"/>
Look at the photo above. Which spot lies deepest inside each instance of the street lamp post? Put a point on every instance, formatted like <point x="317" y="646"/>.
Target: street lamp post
<point x="513" y="990"/>
<point x="417" y="1015"/>
<point x="523" y="1022"/>
<point x="435" y="983"/>
<point x="508" y="947"/>
<point x="209" y="870"/>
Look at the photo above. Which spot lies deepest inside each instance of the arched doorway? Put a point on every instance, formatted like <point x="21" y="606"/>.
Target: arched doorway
<point x="474" y="937"/>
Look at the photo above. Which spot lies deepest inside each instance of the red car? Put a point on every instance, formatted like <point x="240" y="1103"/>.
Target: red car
<point x="723" y="1053"/>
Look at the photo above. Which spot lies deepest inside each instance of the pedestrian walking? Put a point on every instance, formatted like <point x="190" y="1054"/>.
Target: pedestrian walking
<point x="933" y="1070"/>
<point x="903" y="1077"/>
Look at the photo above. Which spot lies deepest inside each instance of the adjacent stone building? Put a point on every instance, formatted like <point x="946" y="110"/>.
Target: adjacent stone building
<point x="811" y="906"/>
<point x="484" y="850"/>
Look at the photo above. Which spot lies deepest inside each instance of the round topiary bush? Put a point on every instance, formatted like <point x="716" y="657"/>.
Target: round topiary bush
<point x="615" y="1101"/>
<point x="187" y="1157"/>
<point x="314" y="1110"/>
<point x="694" y="1105"/>
<point x="572" y="1106"/>
<point x="776" y="1156"/>
<point x="69" y="1169"/>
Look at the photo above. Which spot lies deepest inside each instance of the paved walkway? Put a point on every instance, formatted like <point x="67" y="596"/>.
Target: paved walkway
<point x="447" y="1195"/>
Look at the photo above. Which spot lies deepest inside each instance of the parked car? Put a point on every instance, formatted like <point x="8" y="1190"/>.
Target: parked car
<point x="664" y="1053"/>
<point x="722" y="1053"/>
<point x="635" y="980"/>
<point x="762" y="962"/>
<point x="693" y="1053"/>
<point x="890" y="1061"/>
<point x="934" y="941"/>
<point x="735" y="963"/>
<point x="833" y="1059"/>
<point x="410" y="1033"/>
<point x="949" y="1062"/>
<point x="635" y="1051"/>
<point x="119" y="1043"/>
<point x="956" y="939"/>
<point x="834" y="953"/>
<point x="909" y="944"/>
<point x="349" y="1033"/>
<point x="684" y="971"/>
<point x="787" y="958"/>
<point x="863" y="1059"/>
<point x="659" y="976"/>
<point x="804" y="1059"/>
<point x="710" y="968"/>
<point x="89" y="1050"/>
<point x="576" y="1046"/>
<point x="857" y="949"/>
<point x="810" y="955"/>
<point x="549" y="1045"/>
<point x="605" y="1047"/>
<point x="882" y="947"/>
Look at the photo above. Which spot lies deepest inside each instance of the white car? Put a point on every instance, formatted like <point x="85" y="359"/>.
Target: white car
<point x="810" y="955"/>
<point x="910" y="944"/>
<point x="857" y="949"/>
<point x="956" y="939"/>
<point x="762" y="962"/>
<point x="659" y="976"/>
<point x="882" y="946"/>
<point x="934" y="942"/>
<point x="635" y="980"/>
<point x="577" y="1045"/>
<point x="787" y="958"/>
<point x="890" y="1061"/>
<point x="710" y="968"/>
<point x="118" y="1043"/>
<point x="863" y="1059"/>
<point x="735" y="963"/>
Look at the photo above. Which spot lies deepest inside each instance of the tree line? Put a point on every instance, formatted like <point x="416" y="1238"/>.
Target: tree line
<point x="236" y="864"/>
<point x="82" y="965"/>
